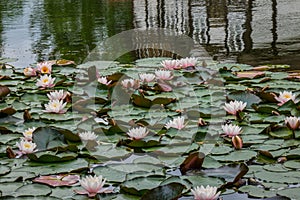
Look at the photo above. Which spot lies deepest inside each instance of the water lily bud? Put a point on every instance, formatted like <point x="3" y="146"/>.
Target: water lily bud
<point x="282" y="159"/>
<point x="201" y="122"/>
<point x="237" y="142"/>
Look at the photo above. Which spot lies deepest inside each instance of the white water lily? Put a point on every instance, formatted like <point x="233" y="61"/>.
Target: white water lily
<point x="55" y="106"/>
<point x="285" y="96"/>
<point x="292" y="122"/>
<point x="103" y="80"/>
<point x="45" y="67"/>
<point x="163" y="74"/>
<point x="138" y="133"/>
<point x="57" y="95"/>
<point x="88" y="135"/>
<point x="92" y="185"/>
<point x="177" y="123"/>
<point x="235" y="106"/>
<point x="130" y="83"/>
<point x="188" y="62"/>
<point x="29" y="71"/>
<point x="205" y="193"/>
<point x="45" y="81"/>
<point x="146" y="77"/>
<point x="231" y="130"/>
<point x="28" y="133"/>
<point x="26" y="147"/>
<point x="171" y="64"/>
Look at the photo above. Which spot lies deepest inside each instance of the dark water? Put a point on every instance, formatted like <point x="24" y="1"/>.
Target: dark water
<point x="245" y="31"/>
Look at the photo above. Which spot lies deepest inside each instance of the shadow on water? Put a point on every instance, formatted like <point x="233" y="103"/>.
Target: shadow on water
<point x="252" y="32"/>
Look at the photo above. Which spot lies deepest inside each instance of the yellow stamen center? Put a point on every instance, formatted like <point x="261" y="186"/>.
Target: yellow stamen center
<point x="45" y="80"/>
<point x="45" y="69"/>
<point x="28" y="132"/>
<point x="27" y="146"/>
<point x="287" y="96"/>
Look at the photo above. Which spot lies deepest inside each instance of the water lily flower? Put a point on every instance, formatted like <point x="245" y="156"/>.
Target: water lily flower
<point x="92" y="185"/>
<point x="57" y="95"/>
<point x="163" y="75"/>
<point x="188" y="62"/>
<point x="205" y="193"/>
<point x="130" y="83"/>
<point x="292" y="122"/>
<point x="28" y="133"/>
<point x="26" y="147"/>
<point x="45" y="81"/>
<point x="29" y="71"/>
<point x="55" y="106"/>
<point x="177" y="123"/>
<point x="231" y="130"/>
<point x="45" y="67"/>
<point x="284" y="97"/>
<point x="103" y="80"/>
<point x="146" y="78"/>
<point x="235" y="106"/>
<point x="170" y="64"/>
<point x="88" y="135"/>
<point x="138" y="133"/>
<point x="237" y="142"/>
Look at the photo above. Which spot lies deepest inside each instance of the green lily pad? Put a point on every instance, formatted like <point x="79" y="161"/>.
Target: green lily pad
<point x="255" y="191"/>
<point x="33" y="190"/>
<point x="292" y="193"/>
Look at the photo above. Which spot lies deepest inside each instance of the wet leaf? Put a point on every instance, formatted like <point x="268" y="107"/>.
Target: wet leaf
<point x="250" y="74"/>
<point x="4" y="91"/>
<point x="58" y="180"/>
<point x="33" y="190"/>
<point x="193" y="161"/>
<point x="165" y="192"/>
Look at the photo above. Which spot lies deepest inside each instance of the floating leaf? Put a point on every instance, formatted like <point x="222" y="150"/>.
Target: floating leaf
<point x="165" y="192"/>
<point x="193" y="161"/>
<point x="292" y="193"/>
<point x="58" y="180"/>
<point x="51" y="157"/>
<point x="4" y="91"/>
<point x="250" y="74"/>
<point x="33" y="190"/>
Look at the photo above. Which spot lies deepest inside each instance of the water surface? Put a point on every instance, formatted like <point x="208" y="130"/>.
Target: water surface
<point x="253" y="32"/>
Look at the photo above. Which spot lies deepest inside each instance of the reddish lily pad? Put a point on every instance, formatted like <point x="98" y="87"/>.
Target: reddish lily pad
<point x="250" y="74"/>
<point x="4" y="91"/>
<point x="58" y="180"/>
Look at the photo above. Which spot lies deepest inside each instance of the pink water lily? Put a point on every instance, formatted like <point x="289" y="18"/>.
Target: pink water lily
<point x="44" y="67"/>
<point x="231" y="130"/>
<point x="57" y="95"/>
<point x="284" y="97"/>
<point x="146" y="77"/>
<point x="292" y="122"/>
<point x="26" y="147"/>
<point x="235" y="106"/>
<point x="130" y="83"/>
<point x="29" y="71"/>
<point x="177" y="123"/>
<point x="28" y="133"/>
<point x="205" y="193"/>
<point x="93" y="185"/>
<point x="138" y="133"/>
<point x="163" y="75"/>
<point x="56" y="106"/>
<point x="103" y="80"/>
<point x="88" y="135"/>
<point x="45" y="81"/>
<point x="188" y="62"/>
<point x="171" y="64"/>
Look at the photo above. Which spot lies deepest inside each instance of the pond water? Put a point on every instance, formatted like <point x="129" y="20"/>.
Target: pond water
<point x="252" y="32"/>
